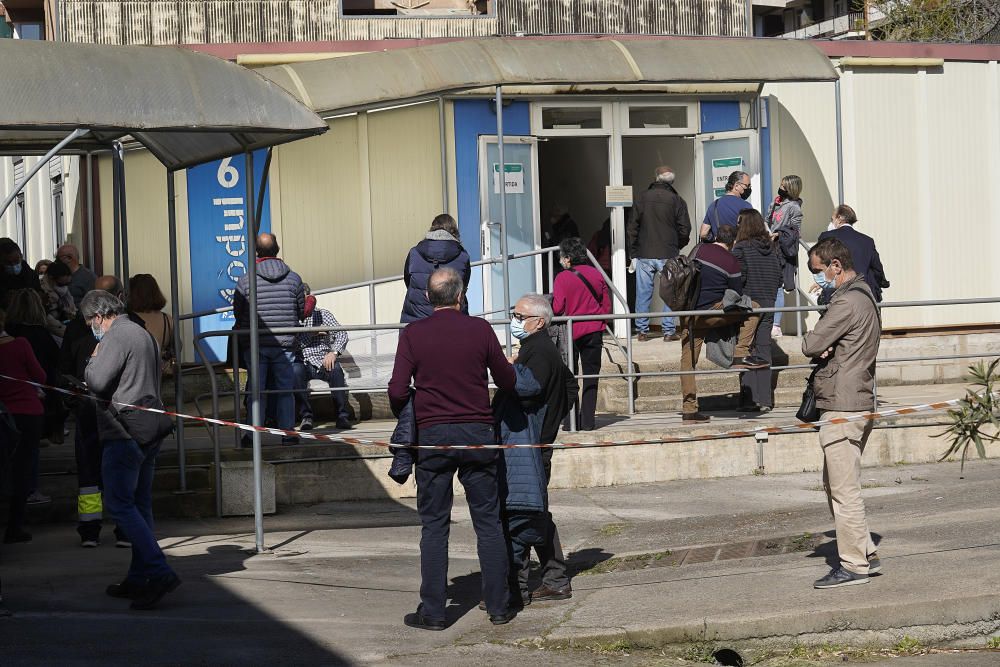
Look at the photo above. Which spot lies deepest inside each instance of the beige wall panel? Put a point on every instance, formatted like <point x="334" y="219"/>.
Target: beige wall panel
<point x="320" y="212"/>
<point x="404" y="153"/>
<point x="804" y="142"/>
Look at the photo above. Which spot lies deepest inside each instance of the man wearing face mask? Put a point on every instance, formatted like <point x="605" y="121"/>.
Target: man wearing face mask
<point x="125" y="369"/>
<point x="845" y="343"/>
<point x="726" y="209"/>
<point x="529" y="322"/>
<point x="16" y="273"/>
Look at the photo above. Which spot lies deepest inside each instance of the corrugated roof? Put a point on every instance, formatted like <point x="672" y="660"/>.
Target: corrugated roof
<point x="374" y="79"/>
<point x="185" y="107"/>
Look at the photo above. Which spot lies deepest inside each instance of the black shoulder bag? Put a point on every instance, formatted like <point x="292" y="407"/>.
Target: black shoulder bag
<point x="590" y="288"/>
<point x="144" y="426"/>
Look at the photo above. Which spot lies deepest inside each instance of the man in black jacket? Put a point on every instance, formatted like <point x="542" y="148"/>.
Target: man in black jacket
<point x="15" y="273"/>
<point x="538" y="353"/>
<point x="281" y="302"/>
<point x="659" y="228"/>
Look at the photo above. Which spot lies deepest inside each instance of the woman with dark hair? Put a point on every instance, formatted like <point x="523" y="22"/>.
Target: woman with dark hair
<point x="441" y="247"/>
<point x="147" y="301"/>
<point x="761" y="271"/>
<point x="580" y="290"/>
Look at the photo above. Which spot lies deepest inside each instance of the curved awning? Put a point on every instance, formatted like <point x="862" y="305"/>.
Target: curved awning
<point x="370" y="80"/>
<point x="185" y="107"/>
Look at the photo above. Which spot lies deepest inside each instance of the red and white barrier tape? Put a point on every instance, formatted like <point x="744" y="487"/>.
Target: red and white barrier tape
<point x="308" y="435"/>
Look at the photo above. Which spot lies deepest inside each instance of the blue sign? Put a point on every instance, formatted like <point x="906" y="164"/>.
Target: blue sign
<point x="217" y="232"/>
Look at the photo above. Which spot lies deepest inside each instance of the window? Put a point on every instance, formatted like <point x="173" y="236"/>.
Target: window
<point x="58" y="219"/>
<point x="20" y="215"/>
<point x="571" y="118"/>
<point x="663" y="119"/>
<point x="34" y="31"/>
<point x="416" y="8"/>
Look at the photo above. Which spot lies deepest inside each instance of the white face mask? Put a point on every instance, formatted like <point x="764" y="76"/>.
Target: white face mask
<point x="832" y="226"/>
<point x="62" y="290"/>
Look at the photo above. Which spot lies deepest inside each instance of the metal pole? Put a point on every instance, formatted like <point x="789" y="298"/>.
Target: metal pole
<point x="235" y="345"/>
<point x="840" y="143"/>
<point x="255" y="416"/>
<point x="175" y="311"/>
<point x="631" y="371"/>
<point x="44" y="160"/>
<point x="263" y="188"/>
<point x="91" y="252"/>
<point x="442" y="129"/>
<point x="124" y="219"/>
<point x="503" y="217"/>
<point x="116" y="203"/>
<point x="569" y="362"/>
<point x="371" y="320"/>
<point x="798" y="302"/>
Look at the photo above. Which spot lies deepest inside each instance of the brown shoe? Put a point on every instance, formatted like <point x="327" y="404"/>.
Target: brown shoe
<point x="545" y="593"/>
<point x="672" y="338"/>
<point x="642" y="337"/>
<point x="694" y="417"/>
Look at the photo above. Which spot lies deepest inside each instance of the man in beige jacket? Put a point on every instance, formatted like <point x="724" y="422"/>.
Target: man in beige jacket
<point x="845" y="342"/>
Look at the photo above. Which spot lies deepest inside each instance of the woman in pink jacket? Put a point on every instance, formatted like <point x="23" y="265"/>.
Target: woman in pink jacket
<point x="580" y="290"/>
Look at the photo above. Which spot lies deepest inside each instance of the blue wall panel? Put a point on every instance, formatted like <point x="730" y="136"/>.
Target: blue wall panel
<point x="719" y="116"/>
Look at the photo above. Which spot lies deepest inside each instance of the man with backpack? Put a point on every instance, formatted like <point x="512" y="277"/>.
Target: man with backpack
<point x="845" y="343"/>
<point x="718" y="271"/>
<point x="659" y="228"/>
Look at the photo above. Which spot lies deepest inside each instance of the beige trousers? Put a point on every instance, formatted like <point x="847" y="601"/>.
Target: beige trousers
<point x="843" y="445"/>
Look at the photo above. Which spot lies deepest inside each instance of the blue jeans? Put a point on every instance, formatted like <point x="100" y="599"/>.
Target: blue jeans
<point x="335" y="378"/>
<point x="127" y="470"/>
<point x="645" y="278"/>
<point x="277" y="372"/>
<point x="779" y="302"/>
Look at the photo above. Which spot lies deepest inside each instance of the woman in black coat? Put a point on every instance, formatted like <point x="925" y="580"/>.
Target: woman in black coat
<point x="440" y="247"/>
<point x="761" y="274"/>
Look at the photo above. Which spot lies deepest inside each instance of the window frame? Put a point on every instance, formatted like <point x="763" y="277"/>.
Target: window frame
<point x="693" y="119"/>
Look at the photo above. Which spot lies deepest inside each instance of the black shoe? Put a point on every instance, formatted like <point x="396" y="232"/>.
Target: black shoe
<point x="16" y="536"/>
<point x="504" y="618"/>
<point x="748" y="408"/>
<point x="525" y="601"/>
<point x="874" y="564"/>
<point x="246" y="441"/>
<point x="127" y="590"/>
<point x="154" y="592"/>
<point x="90" y="542"/>
<point x="545" y="594"/>
<point x="289" y="441"/>
<point x="749" y="363"/>
<point x="419" y="621"/>
<point x="344" y="424"/>
<point x="840" y="577"/>
<point x="306" y="424"/>
<point x="696" y="417"/>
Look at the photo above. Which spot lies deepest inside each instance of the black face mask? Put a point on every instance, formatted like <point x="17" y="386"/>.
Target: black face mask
<point x="783" y="193"/>
<point x="746" y="192"/>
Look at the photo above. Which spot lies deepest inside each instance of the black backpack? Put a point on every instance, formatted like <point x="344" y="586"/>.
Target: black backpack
<point x="680" y="281"/>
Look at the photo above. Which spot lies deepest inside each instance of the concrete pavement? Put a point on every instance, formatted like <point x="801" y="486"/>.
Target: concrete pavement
<point x="683" y="568"/>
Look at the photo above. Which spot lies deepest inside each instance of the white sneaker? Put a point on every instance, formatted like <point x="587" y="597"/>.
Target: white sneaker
<point x="38" y="498"/>
<point x="776" y="332"/>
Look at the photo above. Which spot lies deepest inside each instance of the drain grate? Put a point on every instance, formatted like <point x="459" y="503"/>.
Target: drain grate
<point x="773" y="546"/>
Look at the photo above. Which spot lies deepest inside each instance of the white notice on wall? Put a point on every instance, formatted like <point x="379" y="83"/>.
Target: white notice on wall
<point x="513" y="178"/>
<point x="617" y="195"/>
<point x="721" y="168"/>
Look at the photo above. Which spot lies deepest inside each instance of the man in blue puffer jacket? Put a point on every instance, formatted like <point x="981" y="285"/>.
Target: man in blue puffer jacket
<point x="281" y="301"/>
<point x="440" y="248"/>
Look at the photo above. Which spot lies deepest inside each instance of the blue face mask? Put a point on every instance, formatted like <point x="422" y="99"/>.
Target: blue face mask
<point x="14" y="269"/>
<point x="517" y="329"/>
<point x="823" y="281"/>
<point x="97" y="331"/>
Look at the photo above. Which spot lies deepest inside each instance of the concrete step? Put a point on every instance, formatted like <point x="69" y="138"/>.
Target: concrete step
<point x="713" y="402"/>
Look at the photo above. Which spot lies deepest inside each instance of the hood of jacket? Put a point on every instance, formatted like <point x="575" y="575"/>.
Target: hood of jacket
<point x="763" y="246"/>
<point x="272" y="269"/>
<point x="439" y="247"/>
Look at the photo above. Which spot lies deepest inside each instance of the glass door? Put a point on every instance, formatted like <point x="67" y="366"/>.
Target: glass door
<point x="520" y="179"/>
<point x="721" y="153"/>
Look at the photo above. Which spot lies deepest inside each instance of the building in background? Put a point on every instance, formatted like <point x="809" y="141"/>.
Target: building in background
<point x="805" y="19"/>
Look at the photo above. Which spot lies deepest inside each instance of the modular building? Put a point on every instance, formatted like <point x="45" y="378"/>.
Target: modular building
<point x="905" y="134"/>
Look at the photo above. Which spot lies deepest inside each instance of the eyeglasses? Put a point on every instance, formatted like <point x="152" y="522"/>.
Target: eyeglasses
<point x="520" y="317"/>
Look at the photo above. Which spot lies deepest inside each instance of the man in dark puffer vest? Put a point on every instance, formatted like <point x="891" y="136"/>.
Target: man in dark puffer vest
<point x="281" y="301"/>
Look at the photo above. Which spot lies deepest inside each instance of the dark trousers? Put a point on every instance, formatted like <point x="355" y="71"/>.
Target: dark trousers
<point x="24" y="468"/>
<point x="127" y="470"/>
<point x="335" y="378"/>
<point x="755" y="385"/>
<point x="550" y="553"/>
<point x="587" y="361"/>
<point x="90" y="507"/>
<point x="525" y="530"/>
<point x="477" y="471"/>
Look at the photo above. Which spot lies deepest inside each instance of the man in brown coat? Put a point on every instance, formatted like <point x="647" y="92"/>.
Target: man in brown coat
<point x="845" y="342"/>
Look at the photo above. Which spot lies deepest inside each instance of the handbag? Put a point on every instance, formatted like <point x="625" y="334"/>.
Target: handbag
<point x="808" y="411"/>
<point x="145" y="427"/>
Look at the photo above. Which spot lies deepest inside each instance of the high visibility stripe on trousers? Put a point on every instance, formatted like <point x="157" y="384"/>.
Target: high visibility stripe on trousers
<point x="89" y="505"/>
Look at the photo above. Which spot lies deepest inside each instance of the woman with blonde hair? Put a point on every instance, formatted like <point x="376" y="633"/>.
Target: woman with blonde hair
<point x="784" y="221"/>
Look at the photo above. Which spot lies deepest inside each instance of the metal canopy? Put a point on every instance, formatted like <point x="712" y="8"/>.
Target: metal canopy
<point x="185" y="107"/>
<point x="372" y="79"/>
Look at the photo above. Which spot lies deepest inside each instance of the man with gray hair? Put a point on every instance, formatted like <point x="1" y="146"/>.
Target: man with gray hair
<point x="529" y="320"/>
<point x="83" y="278"/>
<point x="726" y="209"/>
<point x="447" y="356"/>
<point x="659" y="228"/>
<point x="124" y="370"/>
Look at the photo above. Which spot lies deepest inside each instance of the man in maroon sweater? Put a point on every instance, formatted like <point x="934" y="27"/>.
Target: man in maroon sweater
<point x="447" y="356"/>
